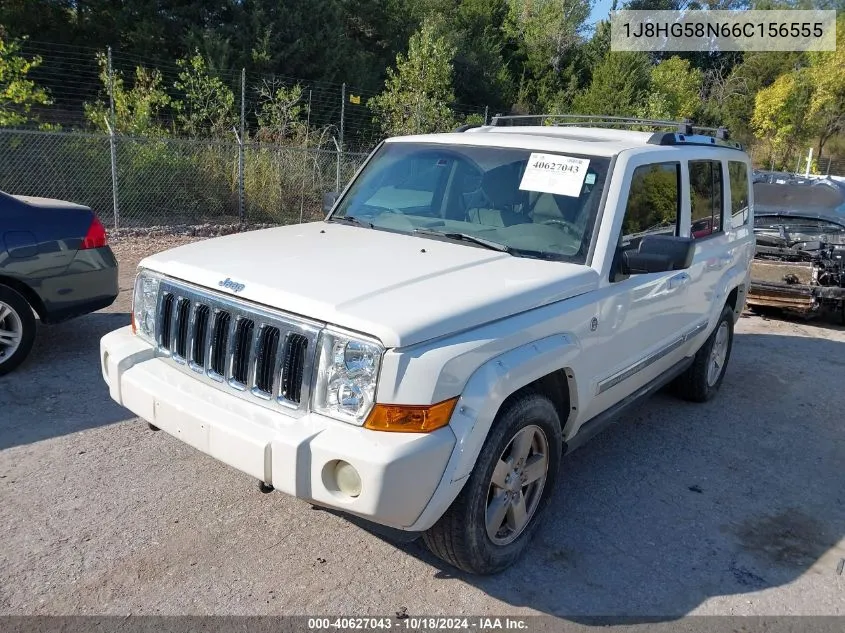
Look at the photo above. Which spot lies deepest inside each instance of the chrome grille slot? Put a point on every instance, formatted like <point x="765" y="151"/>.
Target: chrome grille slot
<point x="220" y="343"/>
<point x="199" y="342"/>
<point x="179" y="348"/>
<point x="248" y="351"/>
<point x="266" y="359"/>
<point x="165" y="320"/>
<point x="293" y="366"/>
<point x="242" y="350"/>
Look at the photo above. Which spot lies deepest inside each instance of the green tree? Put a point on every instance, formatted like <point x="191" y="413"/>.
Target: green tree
<point x="18" y="93"/>
<point x="136" y="110"/>
<point x="619" y="86"/>
<point x="418" y="92"/>
<point x="827" y="77"/>
<point x="675" y="91"/>
<point x="208" y="105"/>
<point x="481" y="75"/>
<point x="546" y="36"/>
<point x="731" y="91"/>
<point x="780" y="114"/>
<point x="281" y="112"/>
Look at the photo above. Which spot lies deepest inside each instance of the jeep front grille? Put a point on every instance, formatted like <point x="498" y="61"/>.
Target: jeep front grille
<point x="249" y="351"/>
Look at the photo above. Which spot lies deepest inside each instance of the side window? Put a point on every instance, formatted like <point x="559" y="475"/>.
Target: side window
<point x="738" y="174"/>
<point x="653" y="202"/>
<point x="706" y="195"/>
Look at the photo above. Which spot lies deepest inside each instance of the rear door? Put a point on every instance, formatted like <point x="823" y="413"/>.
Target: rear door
<point x="718" y="199"/>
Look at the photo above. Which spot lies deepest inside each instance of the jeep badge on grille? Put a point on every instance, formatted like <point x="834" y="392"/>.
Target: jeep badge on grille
<point x="231" y="285"/>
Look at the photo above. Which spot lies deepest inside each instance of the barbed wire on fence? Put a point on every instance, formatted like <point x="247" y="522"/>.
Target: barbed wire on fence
<point x="171" y="181"/>
<point x="247" y="170"/>
<point x="74" y="75"/>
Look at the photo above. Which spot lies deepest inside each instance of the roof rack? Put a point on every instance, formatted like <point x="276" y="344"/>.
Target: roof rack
<point x="686" y="132"/>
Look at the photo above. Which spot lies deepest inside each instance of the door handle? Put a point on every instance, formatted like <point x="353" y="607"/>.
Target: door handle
<point x="679" y="280"/>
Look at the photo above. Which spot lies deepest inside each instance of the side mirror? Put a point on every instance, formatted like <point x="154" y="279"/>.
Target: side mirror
<point x="328" y="201"/>
<point x="658" y="254"/>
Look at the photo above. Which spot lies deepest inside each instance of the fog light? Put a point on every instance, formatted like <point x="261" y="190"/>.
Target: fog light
<point x="347" y="478"/>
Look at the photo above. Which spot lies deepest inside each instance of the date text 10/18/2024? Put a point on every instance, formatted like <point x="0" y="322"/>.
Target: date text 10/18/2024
<point x="412" y="623"/>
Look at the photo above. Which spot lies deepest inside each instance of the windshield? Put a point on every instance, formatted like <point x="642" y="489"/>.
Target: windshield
<point x="533" y="204"/>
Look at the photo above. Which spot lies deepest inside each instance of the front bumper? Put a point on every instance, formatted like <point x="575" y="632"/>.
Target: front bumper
<point x="399" y="471"/>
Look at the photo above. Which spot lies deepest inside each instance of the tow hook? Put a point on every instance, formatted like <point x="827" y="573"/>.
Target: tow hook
<point x="264" y="488"/>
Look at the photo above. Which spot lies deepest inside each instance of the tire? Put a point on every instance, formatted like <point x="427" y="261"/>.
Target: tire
<point x="461" y="536"/>
<point x="17" y="329"/>
<point x="697" y="383"/>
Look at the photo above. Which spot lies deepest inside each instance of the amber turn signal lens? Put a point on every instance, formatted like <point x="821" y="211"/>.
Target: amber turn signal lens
<point x="134" y="326"/>
<point x="410" y="418"/>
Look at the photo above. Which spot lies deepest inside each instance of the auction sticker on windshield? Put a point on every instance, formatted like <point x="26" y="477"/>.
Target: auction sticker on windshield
<point x="550" y="173"/>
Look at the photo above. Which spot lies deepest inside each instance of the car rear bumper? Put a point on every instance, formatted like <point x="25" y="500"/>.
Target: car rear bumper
<point x="89" y="283"/>
<point x="399" y="472"/>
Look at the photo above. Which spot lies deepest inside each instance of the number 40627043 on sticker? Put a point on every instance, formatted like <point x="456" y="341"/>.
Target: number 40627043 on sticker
<point x="555" y="174"/>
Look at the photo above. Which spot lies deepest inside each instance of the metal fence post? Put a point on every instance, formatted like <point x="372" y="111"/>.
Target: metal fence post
<point x="342" y="124"/>
<point x="305" y="155"/>
<point x="110" y="124"/>
<point x="241" y="138"/>
<point x="486" y="112"/>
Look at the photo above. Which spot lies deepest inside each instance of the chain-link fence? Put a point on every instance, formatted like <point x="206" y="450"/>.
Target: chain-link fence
<point x="166" y="181"/>
<point x="829" y="166"/>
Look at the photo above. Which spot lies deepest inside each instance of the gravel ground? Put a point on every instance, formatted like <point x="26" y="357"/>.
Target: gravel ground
<point x="732" y="507"/>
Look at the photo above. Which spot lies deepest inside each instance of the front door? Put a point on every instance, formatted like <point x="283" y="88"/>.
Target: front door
<point x="642" y="319"/>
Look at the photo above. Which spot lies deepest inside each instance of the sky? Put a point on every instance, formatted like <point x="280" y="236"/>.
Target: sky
<point x="600" y="10"/>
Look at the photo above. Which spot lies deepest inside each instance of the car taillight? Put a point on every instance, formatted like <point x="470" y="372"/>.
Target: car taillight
<point x="95" y="237"/>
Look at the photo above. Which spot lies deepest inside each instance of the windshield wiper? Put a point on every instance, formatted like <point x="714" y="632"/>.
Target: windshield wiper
<point x="351" y="219"/>
<point x="466" y="237"/>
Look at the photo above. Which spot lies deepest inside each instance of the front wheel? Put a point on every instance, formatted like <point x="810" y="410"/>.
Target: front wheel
<point x="17" y="329"/>
<point x="701" y="381"/>
<point x="492" y="520"/>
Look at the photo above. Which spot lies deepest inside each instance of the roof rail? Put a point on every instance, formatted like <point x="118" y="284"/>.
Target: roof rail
<point x="686" y="132"/>
<point x="467" y="126"/>
<point x="597" y="120"/>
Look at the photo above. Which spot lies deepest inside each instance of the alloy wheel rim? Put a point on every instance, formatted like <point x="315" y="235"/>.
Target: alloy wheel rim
<point x="718" y="355"/>
<point x="516" y="485"/>
<point x="11" y="331"/>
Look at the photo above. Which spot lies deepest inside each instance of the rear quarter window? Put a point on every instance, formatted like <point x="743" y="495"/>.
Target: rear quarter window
<point x="738" y="175"/>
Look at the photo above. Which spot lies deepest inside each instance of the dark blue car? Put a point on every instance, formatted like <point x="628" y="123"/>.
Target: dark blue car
<point x="54" y="262"/>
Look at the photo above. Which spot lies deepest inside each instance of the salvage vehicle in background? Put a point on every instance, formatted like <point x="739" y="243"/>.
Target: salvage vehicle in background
<point x="799" y="266"/>
<point x="54" y="262"/>
<point x="474" y="306"/>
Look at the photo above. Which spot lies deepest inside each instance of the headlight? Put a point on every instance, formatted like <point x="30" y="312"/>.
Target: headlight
<point x="347" y="376"/>
<point x="144" y="301"/>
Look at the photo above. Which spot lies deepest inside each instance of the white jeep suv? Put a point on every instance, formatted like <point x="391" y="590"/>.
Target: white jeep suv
<point x="475" y="305"/>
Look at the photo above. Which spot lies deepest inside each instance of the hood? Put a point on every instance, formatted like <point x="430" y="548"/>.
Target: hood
<point x="401" y="289"/>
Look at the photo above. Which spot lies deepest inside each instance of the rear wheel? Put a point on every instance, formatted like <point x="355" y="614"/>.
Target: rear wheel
<point x="492" y="520"/>
<point x="702" y="380"/>
<point x="17" y="329"/>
